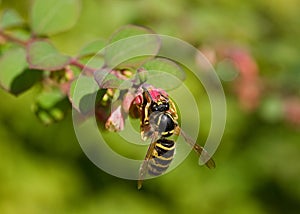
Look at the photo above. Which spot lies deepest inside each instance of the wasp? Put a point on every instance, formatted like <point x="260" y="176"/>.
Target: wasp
<point x="159" y="121"/>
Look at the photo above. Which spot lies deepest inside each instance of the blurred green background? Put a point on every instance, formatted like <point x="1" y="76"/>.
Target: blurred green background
<point x="43" y="169"/>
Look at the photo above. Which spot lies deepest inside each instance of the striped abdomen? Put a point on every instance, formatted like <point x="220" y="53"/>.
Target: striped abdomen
<point x="162" y="156"/>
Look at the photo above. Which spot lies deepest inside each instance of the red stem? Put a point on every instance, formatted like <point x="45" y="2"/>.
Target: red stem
<point x="75" y="62"/>
<point x="13" y="39"/>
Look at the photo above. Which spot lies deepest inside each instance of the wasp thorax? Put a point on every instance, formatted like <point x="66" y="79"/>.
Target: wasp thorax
<point x="163" y="123"/>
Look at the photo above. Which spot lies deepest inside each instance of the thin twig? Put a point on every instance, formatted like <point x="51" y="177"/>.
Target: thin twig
<point x="74" y="61"/>
<point x="13" y="39"/>
<point x="83" y="67"/>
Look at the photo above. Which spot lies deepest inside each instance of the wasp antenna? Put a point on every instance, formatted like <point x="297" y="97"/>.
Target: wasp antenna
<point x="146" y="90"/>
<point x="149" y="97"/>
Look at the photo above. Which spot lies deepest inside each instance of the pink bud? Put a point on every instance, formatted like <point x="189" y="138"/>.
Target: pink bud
<point x="116" y="120"/>
<point x="156" y="93"/>
<point x="127" y="101"/>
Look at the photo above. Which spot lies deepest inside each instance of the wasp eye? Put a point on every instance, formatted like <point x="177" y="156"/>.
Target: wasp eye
<point x="167" y="106"/>
<point x="163" y="107"/>
<point x="154" y="107"/>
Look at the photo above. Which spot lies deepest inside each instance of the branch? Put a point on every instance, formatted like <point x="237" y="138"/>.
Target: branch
<point x="13" y="39"/>
<point x="76" y="63"/>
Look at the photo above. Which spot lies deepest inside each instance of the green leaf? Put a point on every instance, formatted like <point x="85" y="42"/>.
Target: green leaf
<point x="25" y="81"/>
<point x="48" y="99"/>
<point x="83" y="94"/>
<point x="163" y="73"/>
<point x="106" y="79"/>
<point x="111" y="81"/>
<point x="79" y="88"/>
<point x="14" y="75"/>
<point x="92" y="48"/>
<point x="51" y="106"/>
<point x="10" y="18"/>
<point x="128" y="31"/>
<point x="21" y="34"/>
<point x="131" y="46"/>
<point x="54" y="16"/>
<point x="43" y="55"/>
<point x="95" y="62"/>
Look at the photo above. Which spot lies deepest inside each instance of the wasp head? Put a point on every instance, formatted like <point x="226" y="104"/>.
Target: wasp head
<point x="160" y="106"/>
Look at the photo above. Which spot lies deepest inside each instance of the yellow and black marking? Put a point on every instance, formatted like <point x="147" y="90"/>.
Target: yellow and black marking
<point x="161" y="157"/>
<point x="163" y="123"/>
<point x="158" y="120"/>
<point x="172" y="110"/>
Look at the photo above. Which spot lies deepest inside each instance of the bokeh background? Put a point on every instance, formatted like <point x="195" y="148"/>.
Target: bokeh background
<point x="255" y="48"/>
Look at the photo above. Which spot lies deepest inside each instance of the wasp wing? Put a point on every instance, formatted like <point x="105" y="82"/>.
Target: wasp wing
<point x="144" y="166"/>
<point x="204" y="156"/>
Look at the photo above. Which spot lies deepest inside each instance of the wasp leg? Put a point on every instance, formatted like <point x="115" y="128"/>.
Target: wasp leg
<point x="146" y="131"/>
<point x="173" y="110"/>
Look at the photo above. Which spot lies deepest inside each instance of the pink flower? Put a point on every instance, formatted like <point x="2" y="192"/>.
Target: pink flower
<point x="116" y="120"/>
<point x="248" y="84"/>
<point x="127" y="101"/>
